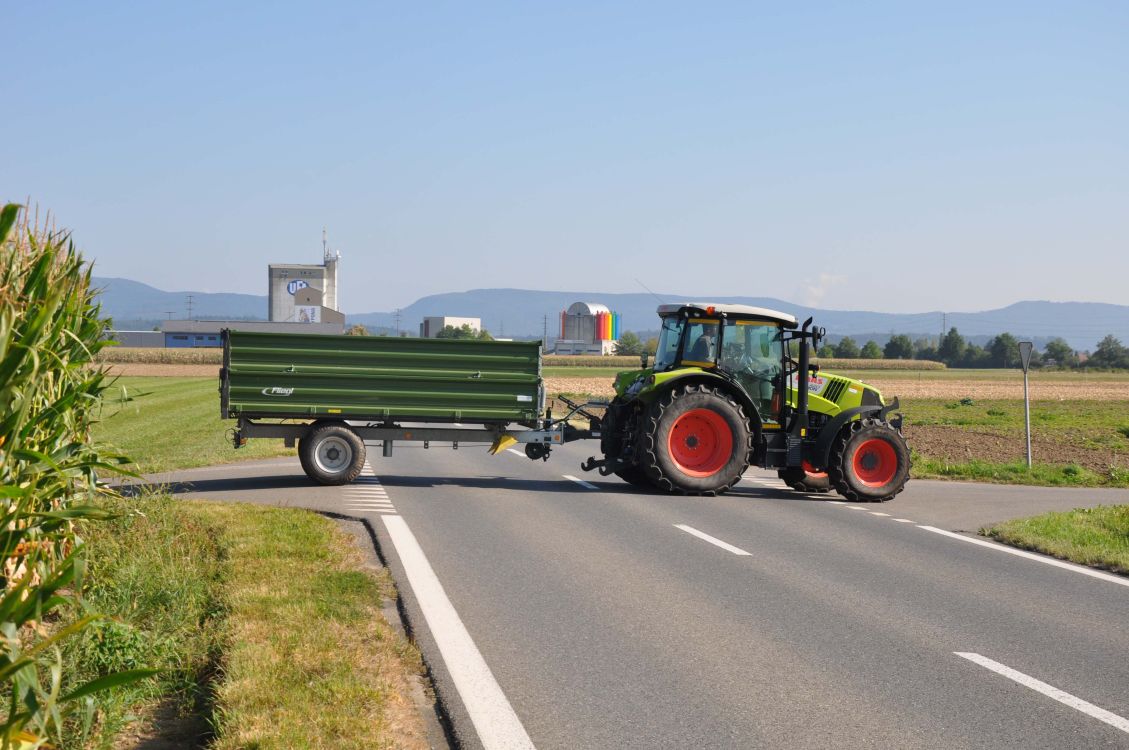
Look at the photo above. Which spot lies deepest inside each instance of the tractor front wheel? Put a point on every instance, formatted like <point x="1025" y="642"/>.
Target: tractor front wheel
<point x="806" y="479"/>
<point x="869" y="461"/>
<point x="695" y="440"/>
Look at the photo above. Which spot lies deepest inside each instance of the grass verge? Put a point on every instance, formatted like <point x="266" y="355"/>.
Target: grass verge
<point x="1098" y="537"/>
<point x="173" y="423"/>
<point x="265" y="620"/>
<point x="1046" y="475"/>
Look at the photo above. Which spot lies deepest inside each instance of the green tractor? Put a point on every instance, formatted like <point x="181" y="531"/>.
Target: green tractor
<point x="732" y="386"/>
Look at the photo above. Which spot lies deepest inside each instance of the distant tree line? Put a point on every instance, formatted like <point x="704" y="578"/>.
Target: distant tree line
<point x="953" y="350"/>
<point x="999" y="351"/>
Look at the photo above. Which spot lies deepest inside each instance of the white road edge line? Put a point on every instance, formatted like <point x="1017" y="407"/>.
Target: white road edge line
<point x="1031" y="556"/>
<point x="712" y="540"/>
<point x="491" y="713"/>
<point x="581" y="482"/>
<point x="1050" y="691"/>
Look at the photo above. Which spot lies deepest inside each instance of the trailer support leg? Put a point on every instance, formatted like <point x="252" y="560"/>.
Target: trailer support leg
<point x="387" y="448"/>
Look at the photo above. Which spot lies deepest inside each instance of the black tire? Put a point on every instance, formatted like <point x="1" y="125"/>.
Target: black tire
<point x="635" y="476"/>
<point x="720" y="422"/>
<point x="874" y="446"/>
<point x="331" y="454"/>
<point x="802" y="480"/>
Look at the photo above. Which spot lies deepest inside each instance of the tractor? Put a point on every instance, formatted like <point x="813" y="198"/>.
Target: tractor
<point x="732" y="386"/>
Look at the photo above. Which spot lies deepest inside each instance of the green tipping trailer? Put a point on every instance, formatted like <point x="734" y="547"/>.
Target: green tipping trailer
<point x="328" y="394"/>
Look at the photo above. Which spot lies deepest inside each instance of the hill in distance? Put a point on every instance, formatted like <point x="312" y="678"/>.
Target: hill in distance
<point x="137" y="306"/>
<point x="520" y="312"/>
<point x="526" y="313"/>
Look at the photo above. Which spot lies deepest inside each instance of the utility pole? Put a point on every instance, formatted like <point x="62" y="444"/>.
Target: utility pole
<point x="396" y="317"/>
<point x="544" y="331"/>
<point x="190" y="307"/>
<point x="1025" y="348"/>
<point x="169" y="313"/>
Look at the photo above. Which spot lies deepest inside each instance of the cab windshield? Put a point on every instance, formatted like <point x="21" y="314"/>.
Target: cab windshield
<point x="669" y="336"/>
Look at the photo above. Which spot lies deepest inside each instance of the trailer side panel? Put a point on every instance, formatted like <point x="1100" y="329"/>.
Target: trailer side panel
<point x="380" y="378"/>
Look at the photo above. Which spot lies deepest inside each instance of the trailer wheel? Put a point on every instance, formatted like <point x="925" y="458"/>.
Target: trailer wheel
<point x="870" y="461"/>
<point x="806" y="479"/>
<point x="332" y="454"/>
<point x="696" y="440"/>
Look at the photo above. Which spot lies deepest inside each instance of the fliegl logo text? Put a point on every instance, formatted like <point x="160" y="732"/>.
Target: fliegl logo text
<point x="276" y="391"/>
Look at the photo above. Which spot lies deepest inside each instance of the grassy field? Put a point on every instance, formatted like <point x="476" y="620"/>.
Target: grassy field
<point x="265" y="620"/>
<point x="1090" y="536"/>
<point x="173" y="423"/>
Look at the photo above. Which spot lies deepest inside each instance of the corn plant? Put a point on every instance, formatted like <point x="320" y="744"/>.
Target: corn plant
<point x="50" y="328"/>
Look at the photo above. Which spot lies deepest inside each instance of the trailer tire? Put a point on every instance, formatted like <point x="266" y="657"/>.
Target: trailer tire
<point x="332" y="454"/>
<point x="869" y="461"/>
<point x="696" y="440"/>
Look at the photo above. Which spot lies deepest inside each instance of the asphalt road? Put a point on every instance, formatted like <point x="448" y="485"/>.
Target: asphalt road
<point x="608" y="618"/>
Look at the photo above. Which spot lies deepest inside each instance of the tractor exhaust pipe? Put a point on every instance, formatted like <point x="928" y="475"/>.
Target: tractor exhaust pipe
<point x="799" y="427"/>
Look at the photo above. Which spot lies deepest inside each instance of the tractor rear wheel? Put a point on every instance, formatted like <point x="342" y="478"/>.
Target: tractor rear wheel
<point x="869" y="462"/>
<point x="635" y="476"/>
<point x="806" y="479"/>
<point x="695" y="440"/>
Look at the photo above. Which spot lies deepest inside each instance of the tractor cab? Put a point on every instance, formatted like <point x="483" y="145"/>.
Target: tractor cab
<point x="742" y="343"/>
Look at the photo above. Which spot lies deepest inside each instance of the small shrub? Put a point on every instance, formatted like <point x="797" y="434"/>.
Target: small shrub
<point x="996" y="413"/>
<point x="1124" y="430"/>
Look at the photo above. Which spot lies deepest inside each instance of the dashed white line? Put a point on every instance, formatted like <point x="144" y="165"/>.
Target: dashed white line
<point x="711" y="539"/>
<point x="515" y="451"/>
<point x="903" y="520"/>
<point x="834" y="502"/>
<point x="855" y="507"/>
<point x="581" y="482"/>
<point x="1031" y="556"/>
<point x="876" y="513"/>
<point x="1050" y="691"/>
<point x="494" y="719"/>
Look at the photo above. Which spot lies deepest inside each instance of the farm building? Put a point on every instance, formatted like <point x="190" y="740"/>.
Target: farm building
<point x="188" y="334"/>
<point x="431" y="326"/>
<point x="305" y="293"/>
<point x="588" y="328"/>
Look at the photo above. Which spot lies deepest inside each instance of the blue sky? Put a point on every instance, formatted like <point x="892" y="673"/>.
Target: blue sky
<point x="854" y="156"/>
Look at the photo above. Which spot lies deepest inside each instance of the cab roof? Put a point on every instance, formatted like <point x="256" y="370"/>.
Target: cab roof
<point x="733" y="311"/>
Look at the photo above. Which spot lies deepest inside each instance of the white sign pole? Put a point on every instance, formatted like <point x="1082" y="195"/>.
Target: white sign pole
<point x="1025" y="348"/>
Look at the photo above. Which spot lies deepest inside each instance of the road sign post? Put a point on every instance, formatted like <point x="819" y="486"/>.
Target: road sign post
<point x="1025" y="348"/>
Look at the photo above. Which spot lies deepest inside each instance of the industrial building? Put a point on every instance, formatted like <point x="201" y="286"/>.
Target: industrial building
<point x="189" y="334"/>
<point x="305" y="293"/>
<point x="430" y="327"/>
<point x="587" y="328"/>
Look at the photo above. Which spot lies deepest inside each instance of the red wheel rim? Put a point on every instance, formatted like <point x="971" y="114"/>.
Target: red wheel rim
<point x="875" y="462"/>
<point x="700" y="442"/>
<point x="811" y="472"/>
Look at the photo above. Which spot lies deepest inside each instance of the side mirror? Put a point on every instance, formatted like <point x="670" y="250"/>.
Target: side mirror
<point x="643" y="360"/>
<point x="813" y="369"/>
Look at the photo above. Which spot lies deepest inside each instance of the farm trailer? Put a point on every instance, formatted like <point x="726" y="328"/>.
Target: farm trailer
<point x="731" y="386"/>
<point x="329" y="394"/>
